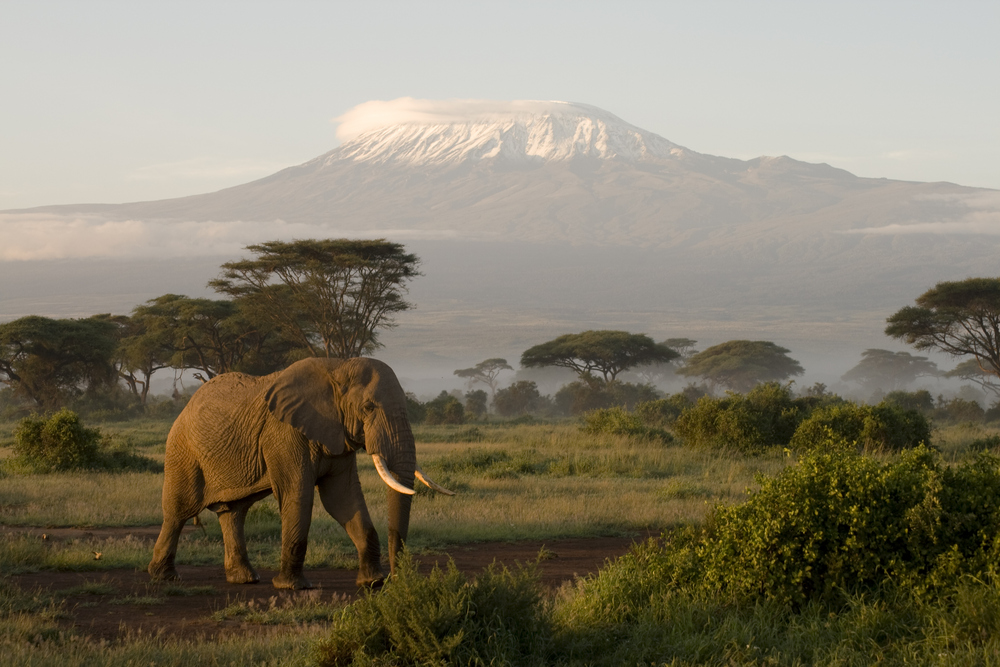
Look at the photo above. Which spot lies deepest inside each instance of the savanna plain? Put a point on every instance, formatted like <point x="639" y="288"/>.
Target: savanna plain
<point x="739" y="558"/>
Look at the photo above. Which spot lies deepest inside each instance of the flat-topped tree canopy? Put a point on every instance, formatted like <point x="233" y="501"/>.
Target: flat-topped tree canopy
<point x="958" y="317"/>
<point x="606" y="352"/>
<point x="742" y="364"/>
<point x="332" y="296"/>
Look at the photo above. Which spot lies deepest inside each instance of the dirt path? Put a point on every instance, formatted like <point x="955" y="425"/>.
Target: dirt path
<point x="110" y="616"/>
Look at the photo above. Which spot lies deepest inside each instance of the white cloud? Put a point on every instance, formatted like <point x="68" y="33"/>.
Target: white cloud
<point x="41" y="236"/>
<point x="377" y="113"/>
<point x="975" y="223"/>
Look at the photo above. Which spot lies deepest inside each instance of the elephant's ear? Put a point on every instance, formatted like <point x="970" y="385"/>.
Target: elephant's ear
<point x="304" y="396"/>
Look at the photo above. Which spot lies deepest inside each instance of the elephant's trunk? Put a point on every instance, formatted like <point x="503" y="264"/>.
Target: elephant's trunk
<point x="399" y="523"/>
<point x="393" y="451"/>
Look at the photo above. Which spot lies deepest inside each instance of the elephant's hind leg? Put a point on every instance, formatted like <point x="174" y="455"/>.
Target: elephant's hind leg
<point x="237" y="561"/>
<point x="162" y="568"/>
<point x="181" y="500"/>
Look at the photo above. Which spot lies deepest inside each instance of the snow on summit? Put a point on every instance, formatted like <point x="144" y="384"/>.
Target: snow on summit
<point x="429" y="132"/>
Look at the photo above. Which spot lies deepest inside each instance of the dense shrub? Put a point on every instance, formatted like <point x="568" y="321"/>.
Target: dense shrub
<point x="476" y="402"/>
<point x="838" y="521"/>
<point x="577" y="398"/>
<point x="498" y="618"/>
<point x="833" y="525"/>
<point x="58" y="443"/>
<point x="415" y="410"/>
<point x="62" y="443"/>
<point x="618" y="421"/>
<point x="959" y="410"/>
<point x="166" y="407"/>
<point x="986" y="443"/>
<point x="663" y="412"/>
<point x="766" y="415"/>
<point x="883" y="427"/>
<point x="519" y="398"/>
<point x="445" y="409"/>
<point x="921" y="401"/>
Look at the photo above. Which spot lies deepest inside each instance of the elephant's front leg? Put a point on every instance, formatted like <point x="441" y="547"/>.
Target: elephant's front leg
<point x="342" y="497"/>
<point x="295" y="504"/>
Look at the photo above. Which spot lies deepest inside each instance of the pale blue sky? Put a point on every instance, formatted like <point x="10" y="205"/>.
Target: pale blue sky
<point x="122" y="101"/>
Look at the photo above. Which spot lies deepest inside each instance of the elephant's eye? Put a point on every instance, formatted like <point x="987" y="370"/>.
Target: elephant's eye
<point x="368" y="407"/>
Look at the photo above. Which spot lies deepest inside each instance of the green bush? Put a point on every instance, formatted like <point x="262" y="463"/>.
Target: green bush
<point x="476" y="402"/>
<point x="959" y="410"/>
<point x="839" y="521"/>
<point x="498" y="618"/>
<point x="882" y="427"/>
<point x="921" y="401"/>
<point x="579" y="397"/>
<point x="58" y="443"/>
<point x="834" y="525"/>
<point x="985" y="443"/>
<point x="445" y="409"/>
<point x="416" y="411"/>
<point x="618" y="421"/>
<point x="664" y="412"/>
<point x="62" y="443"/>
<point x="520" y="398"/>
<point x="767" y="415"/>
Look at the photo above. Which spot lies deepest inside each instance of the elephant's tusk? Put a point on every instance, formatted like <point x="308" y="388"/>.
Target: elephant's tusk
<point x="387" y="477"/>
<point x="431" y="483"/>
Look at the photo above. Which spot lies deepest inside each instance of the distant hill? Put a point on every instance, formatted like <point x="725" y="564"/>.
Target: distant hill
<point x="536" y="218"/>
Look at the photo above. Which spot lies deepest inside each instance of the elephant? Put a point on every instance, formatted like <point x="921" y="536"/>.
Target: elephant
<point x="243" y="437"/>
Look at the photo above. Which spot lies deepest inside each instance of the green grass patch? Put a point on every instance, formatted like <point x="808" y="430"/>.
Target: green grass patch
<point x="284" y="609"/>
<point x="138" y="600"/>
<point x="89" y="588"/>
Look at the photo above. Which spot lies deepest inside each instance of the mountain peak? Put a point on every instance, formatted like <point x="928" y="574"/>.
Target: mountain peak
<point x="428" y="132"/>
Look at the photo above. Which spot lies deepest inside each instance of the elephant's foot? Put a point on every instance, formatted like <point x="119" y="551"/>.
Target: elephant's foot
<point x="242" y="575"/>
<point x="162" y="572"/>
<point x="292" y="581"/>
<point x="370" y="576"/>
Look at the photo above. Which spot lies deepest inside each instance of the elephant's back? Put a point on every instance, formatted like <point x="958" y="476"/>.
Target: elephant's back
<point x="218" y="429"/>
<point x="233" y="388"/>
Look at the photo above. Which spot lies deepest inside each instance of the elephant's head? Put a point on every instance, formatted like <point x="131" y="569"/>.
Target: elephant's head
<point x="356" y="404"/>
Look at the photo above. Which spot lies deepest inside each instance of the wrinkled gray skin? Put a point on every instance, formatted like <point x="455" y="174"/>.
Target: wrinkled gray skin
<point x="242" y="437"/>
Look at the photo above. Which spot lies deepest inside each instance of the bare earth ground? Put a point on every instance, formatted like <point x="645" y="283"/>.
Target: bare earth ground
<point x="190" y="616"/>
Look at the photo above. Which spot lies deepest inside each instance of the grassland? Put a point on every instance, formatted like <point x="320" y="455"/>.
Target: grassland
<point x="515" y="482"/>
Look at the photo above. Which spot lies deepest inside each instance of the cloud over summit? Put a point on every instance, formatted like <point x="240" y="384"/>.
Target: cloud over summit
<point x="376" y="114"/>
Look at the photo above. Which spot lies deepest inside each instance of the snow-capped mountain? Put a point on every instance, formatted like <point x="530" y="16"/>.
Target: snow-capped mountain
<point x="526" y="131"/>
<point x="529" y="170"/>
<point x="553" y="217"/>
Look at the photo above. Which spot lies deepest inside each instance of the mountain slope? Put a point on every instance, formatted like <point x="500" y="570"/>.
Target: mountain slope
<point x="552" y="172"/>
<point x="539" y="218"/>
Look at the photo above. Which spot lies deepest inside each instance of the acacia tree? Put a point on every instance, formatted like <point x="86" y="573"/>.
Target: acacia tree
<point x="330" y="296"/>
<point x="606" y="352"/>
<point x="742" y="364"/>
<point x="140" y="351"/>
<point x="889" y="370"/>
<point x="211" y="336"/>
<point x="961" y="318"/>
<point x="682" y="346"/>
<point x="48" y="361"/>
<point x="660" y="372"/>
<point x="487" y="372"/>
<point x="972" y="371"/>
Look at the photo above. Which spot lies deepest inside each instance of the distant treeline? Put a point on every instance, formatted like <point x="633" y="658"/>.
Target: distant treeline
<point x="292" y="300"/>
